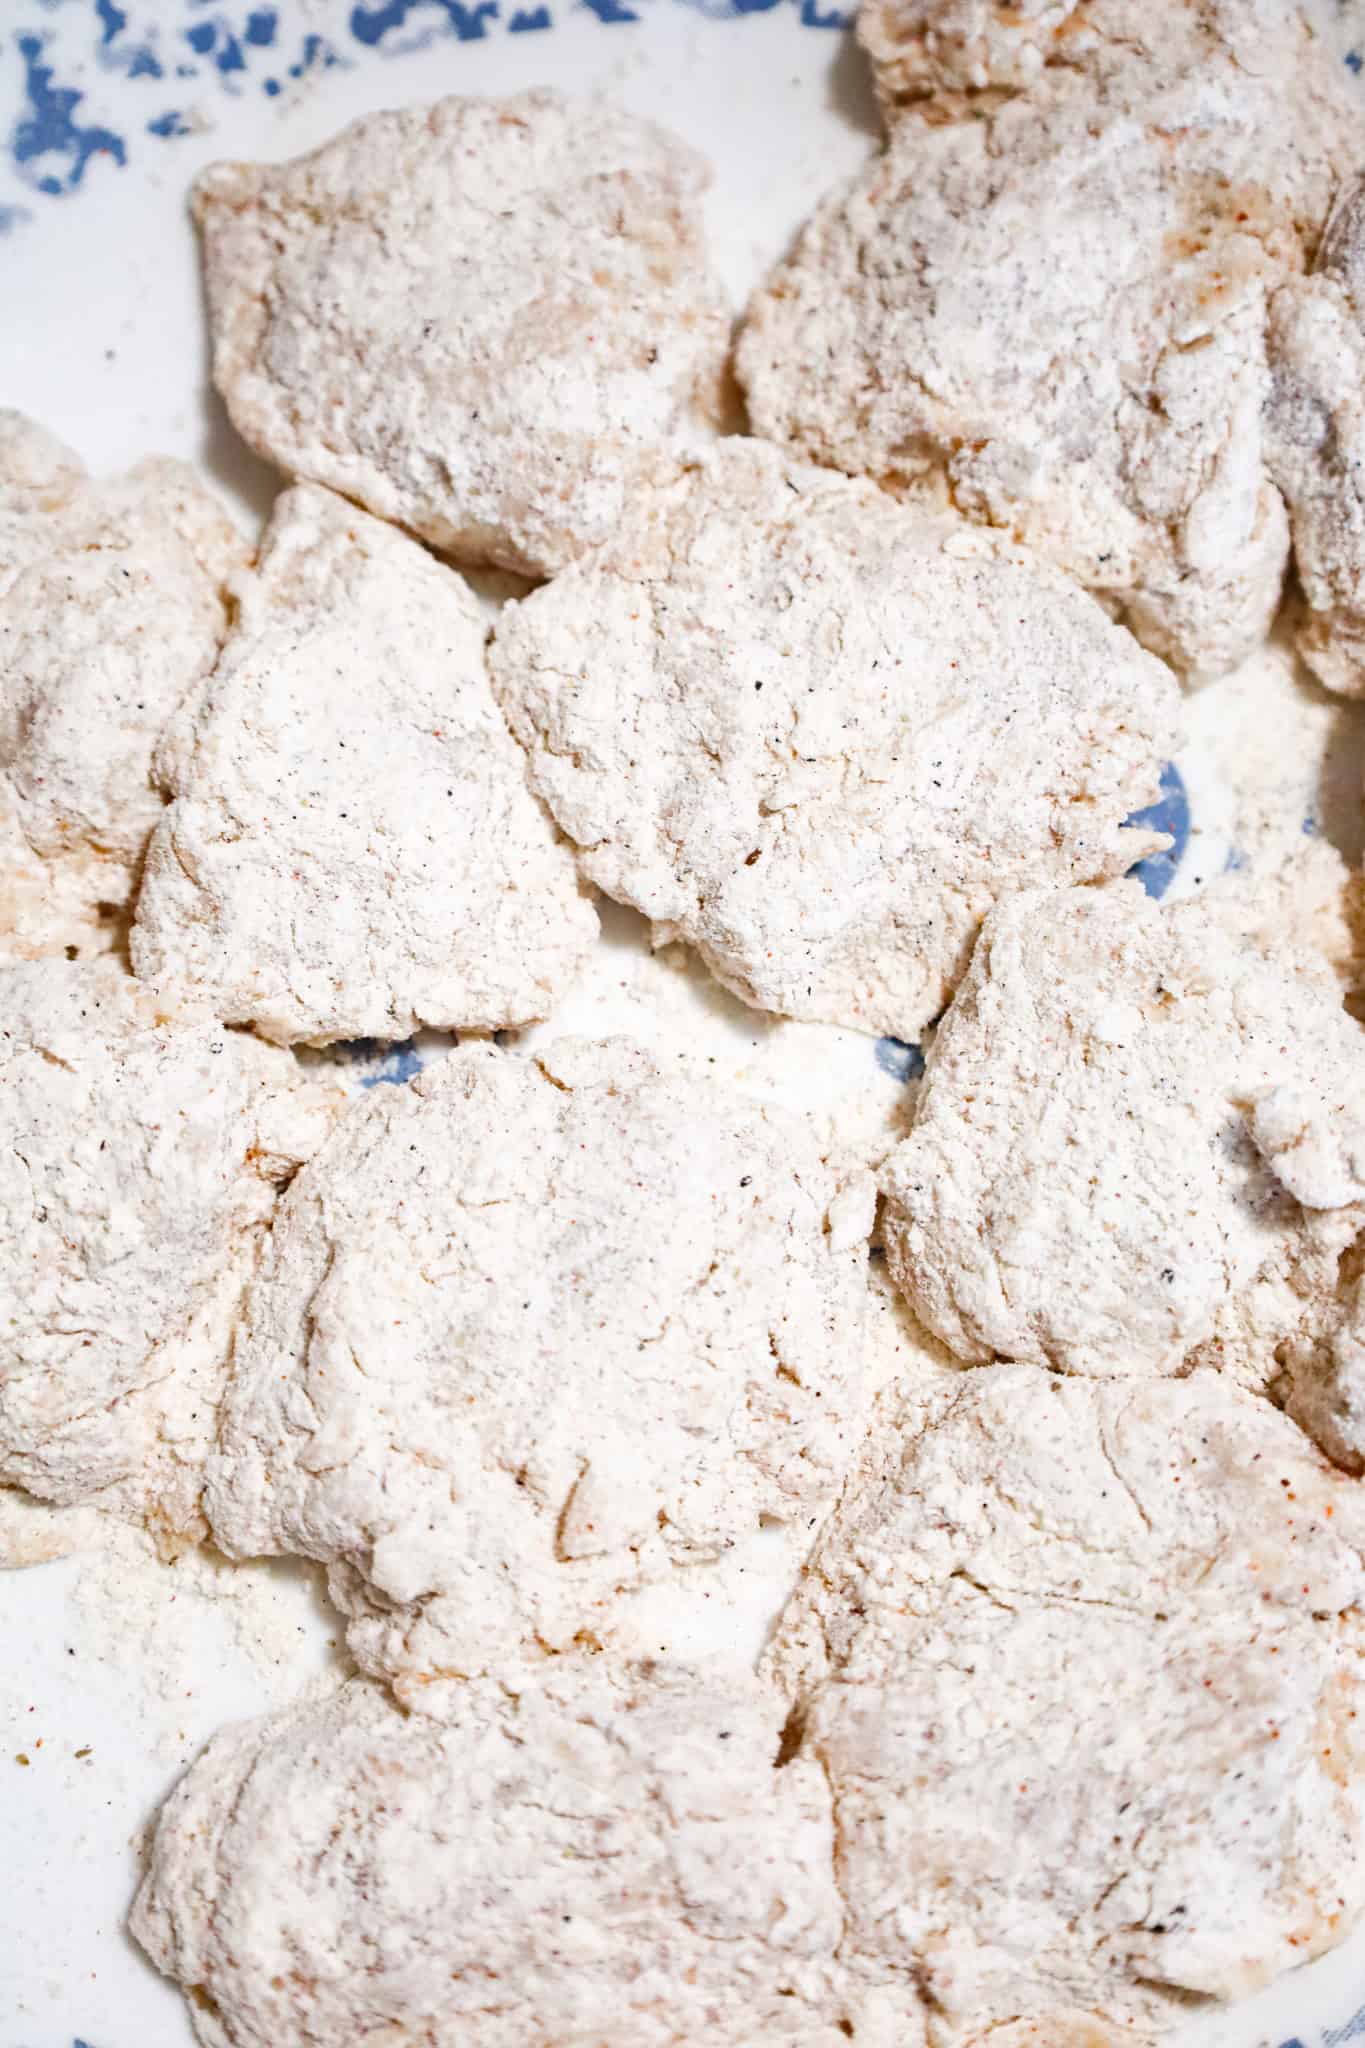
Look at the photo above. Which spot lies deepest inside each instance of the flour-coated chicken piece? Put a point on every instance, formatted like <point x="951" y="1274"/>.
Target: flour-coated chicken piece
<point x="818" y="734"/>
<point x="112" y="609"/>
<point x="142" y="1148"/>
<point x="532" y="1332"/>
<point x="1048" y="296"/>
<point x="602" y="1858"/>
<point x="1082" y="1662"/>
<point x="1316" y="425"/>
<point x="1138" y="1138"/>
<point x="487" y="320"/>
<point x="352" y="850"/>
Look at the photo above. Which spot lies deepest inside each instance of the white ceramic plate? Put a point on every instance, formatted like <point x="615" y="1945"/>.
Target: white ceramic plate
<point x="114" y="1668"/>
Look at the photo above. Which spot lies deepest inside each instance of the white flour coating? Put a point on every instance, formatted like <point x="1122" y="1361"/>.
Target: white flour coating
<point x="1121" y="1117"/>
<point x="732" y="1607"/>
<point x="1311" y="902"/>
<point x="143" y="1147"/>
<point x="1274" y="766"/>
<point x="36" y="1531"/>
<point x="111" y="610"/>
<point x="593" y="1861"/>
<point x="1083" y="1666"/>
<point x="1316" y="426"/>
<point x="1323" y="1383"/>
<point x="488" y="320"/>
<point x="927" y="49"/>
<point x="528" y="1334"/>
<point x="353" y="851"/>
<point x="1049" y="295"/>
<point x="665" y="999"/>
<point x="38" y="473"/>
<point x="817" y="733"/>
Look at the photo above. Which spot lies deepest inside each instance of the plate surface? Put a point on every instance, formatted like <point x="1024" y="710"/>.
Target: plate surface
<point x="116" y="1668"/>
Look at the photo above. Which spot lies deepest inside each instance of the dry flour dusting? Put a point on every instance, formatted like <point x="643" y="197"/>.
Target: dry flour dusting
<point x="133" y="1603"/>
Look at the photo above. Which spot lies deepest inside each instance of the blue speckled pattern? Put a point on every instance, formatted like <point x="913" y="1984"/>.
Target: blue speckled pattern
<point x="87" y="87"/>
<point x="49" y="146"/>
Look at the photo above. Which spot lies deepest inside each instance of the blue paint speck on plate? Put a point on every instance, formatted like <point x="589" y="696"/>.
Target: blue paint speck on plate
<point x="1170" y="813"/>
<point x="1349" y="2030"/>
<point x="115" y="53"/>
<point x="226" y="49"/>
<point x="370" y="25"/>
<point x="169" y="124"/>
<point x="50" y="129"/>
<point x="396" y="1063"/>
<point x="901" y="1061"/>
<point x="317" y="55"/>
<point x="528" y="18"/>
<point x="111" y="19"/>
